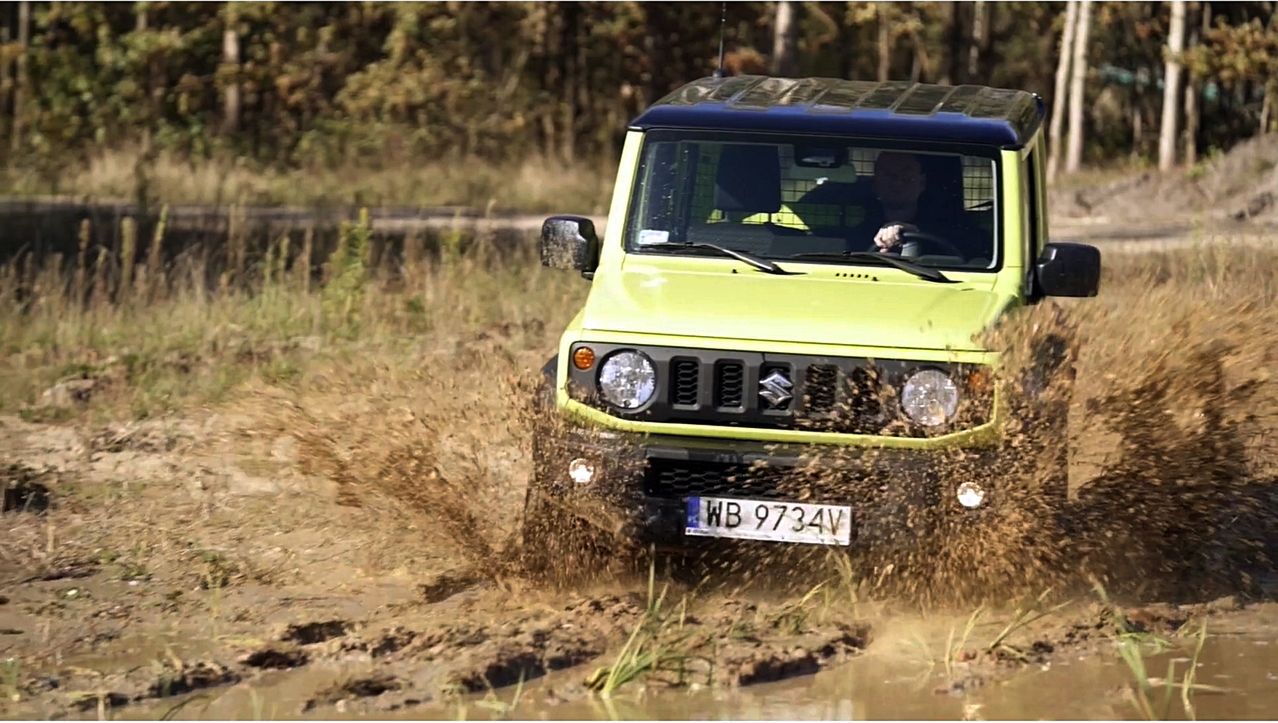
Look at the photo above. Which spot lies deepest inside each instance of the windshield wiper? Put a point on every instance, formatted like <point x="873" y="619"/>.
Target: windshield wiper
<point x="757" y="262"/>
<point x="923" y="272"/>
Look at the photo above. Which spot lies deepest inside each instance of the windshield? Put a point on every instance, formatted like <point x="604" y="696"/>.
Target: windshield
<point x="815" y="199"/>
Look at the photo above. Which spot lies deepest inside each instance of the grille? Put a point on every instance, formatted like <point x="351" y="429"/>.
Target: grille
<point x="683" y="387"/>
<point x="729" y="384"/>
<point x="672" y="479"/>
<point x="827" y="394"/>
<point x="819" y="387"/>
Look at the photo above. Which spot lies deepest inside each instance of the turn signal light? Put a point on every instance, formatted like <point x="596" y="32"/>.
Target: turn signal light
<point x="583" y="358"/>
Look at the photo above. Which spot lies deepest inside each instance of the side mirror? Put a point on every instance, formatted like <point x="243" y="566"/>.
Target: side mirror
<point x="1068" y="269"/>
<point x="569" y="242"/>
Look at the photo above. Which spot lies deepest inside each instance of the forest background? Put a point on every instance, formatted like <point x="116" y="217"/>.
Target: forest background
<point x="522" y="106"/>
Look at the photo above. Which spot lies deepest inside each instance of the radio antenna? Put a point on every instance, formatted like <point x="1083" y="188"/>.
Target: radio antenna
<point x="723" y="19"/>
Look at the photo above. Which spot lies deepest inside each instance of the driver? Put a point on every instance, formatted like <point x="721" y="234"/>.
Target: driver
<point x="897" y="184"/>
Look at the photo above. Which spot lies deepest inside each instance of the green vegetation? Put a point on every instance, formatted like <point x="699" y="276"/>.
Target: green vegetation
<point x="521" y="105"/>
<point x="10" y="670"/>
<point x="656" y="644"/>
<point x="1133" y="644"/>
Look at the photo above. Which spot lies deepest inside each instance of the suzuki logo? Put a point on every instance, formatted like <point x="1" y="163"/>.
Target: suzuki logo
<point x="775" y="388"/>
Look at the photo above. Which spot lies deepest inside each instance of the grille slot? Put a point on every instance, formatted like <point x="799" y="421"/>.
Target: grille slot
<point x="819" y="384"/>
<point x="865" y="399"/>
<point x="729" y="384"/>
<point x="676" y="479"/>
<point x="684" y="375"/>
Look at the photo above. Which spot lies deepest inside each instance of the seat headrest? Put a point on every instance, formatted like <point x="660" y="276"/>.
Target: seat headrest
<point x="748" y="179"/>
<point x="944" y="191"/>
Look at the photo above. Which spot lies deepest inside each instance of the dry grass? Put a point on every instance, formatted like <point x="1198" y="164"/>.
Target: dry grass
<point x="155" y="339"/>
<point x="390" y="376"/>
<point x="533" y="185"/>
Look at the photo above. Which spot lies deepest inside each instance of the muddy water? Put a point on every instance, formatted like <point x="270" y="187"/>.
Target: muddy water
<point x="1242" y="670"/>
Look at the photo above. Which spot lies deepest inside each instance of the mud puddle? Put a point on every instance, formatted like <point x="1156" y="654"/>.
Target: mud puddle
<point x="1074" y="668"/>
<point x="875" y="687"/>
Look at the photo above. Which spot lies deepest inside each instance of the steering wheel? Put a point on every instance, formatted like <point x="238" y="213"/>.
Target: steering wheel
<point x="913" y="240"/>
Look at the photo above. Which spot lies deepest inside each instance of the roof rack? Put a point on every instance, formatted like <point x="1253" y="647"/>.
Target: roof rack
<point x="916" y="111"/>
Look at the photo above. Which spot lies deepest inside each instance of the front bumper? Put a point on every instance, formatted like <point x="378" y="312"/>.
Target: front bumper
<point x="642" y="482"/>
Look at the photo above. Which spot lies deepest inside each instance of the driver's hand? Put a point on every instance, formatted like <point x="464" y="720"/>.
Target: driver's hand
<point x="891" y="235"/>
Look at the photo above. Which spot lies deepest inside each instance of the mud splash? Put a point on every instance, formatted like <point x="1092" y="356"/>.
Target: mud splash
<point x="1137" y="450"/>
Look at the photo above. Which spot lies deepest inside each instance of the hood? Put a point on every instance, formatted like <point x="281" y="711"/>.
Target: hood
<point x="832" y="305"/>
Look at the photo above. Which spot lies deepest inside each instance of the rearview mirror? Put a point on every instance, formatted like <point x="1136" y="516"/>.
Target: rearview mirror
<point x="569" y="242"/>
<point x="1068" y="269"/>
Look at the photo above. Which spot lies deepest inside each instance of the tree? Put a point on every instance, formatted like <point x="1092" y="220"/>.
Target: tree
<point x="1059" y="102"/>
<point x="326" y="84"/>
<point x="980" y="31"/>
<point x="1171" y="87"/>
<point x="784" y="41"/>
<point x="230" y="68"/>
<point x="1074" y="154"/>
<point x="22" y="82"/>
<point x="1240" y="57"/>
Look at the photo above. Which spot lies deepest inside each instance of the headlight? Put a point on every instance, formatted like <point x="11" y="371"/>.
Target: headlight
<point x="930" y="398"/>
<point x="627" y="380"/>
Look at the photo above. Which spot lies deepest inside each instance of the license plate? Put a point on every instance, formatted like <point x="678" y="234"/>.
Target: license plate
<point x="769" y="520"/>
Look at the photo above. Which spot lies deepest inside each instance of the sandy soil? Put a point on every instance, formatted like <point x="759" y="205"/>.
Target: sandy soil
<point x="161" y="567"/>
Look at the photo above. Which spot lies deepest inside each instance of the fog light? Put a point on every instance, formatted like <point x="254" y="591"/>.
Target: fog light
<point x="581" y="471"/>
<point x="970" y="495"/>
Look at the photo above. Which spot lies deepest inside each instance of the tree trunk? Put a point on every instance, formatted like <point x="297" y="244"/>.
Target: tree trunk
<point x="1078" y="72"/>
<point x="1059" y="103"/>
<point x="568" y="102"/>
<point x="1266" y="108"/>
<point x="1193" y="88"/>
<point x="231" y="60"/>
<point x="953" y="44"/>
<point x="846" y="44"/>
<point x="6" y="74"/>
<point x="885" y="46"/>
<point x="1138" y="129"/>
<point x="20" y="84"/>
<point x="1171" y="87"/>
<point x="980" y="19"/>
<point x="785" y="41"/>
<point x="1190" y="137"/>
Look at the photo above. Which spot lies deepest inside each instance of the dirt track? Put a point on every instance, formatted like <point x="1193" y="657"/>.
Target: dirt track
<point x="212" y="575"/>
<point x="166" y="567"/>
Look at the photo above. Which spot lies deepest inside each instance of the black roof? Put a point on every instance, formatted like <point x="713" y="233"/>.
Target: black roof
<point x="916" y="111"/>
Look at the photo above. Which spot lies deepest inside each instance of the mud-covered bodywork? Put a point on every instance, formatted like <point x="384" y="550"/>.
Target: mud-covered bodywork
<point x="740" y="333"/>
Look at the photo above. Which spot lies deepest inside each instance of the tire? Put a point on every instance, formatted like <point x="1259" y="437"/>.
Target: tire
<point x="555" y="543"/>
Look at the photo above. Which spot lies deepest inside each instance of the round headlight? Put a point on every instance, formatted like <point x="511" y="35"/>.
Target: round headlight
<point x="627" y="380"/>
<point x="930" y="398"/>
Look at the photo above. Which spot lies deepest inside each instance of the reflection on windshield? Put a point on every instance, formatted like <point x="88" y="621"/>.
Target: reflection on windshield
<point x="784" y="198"/>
